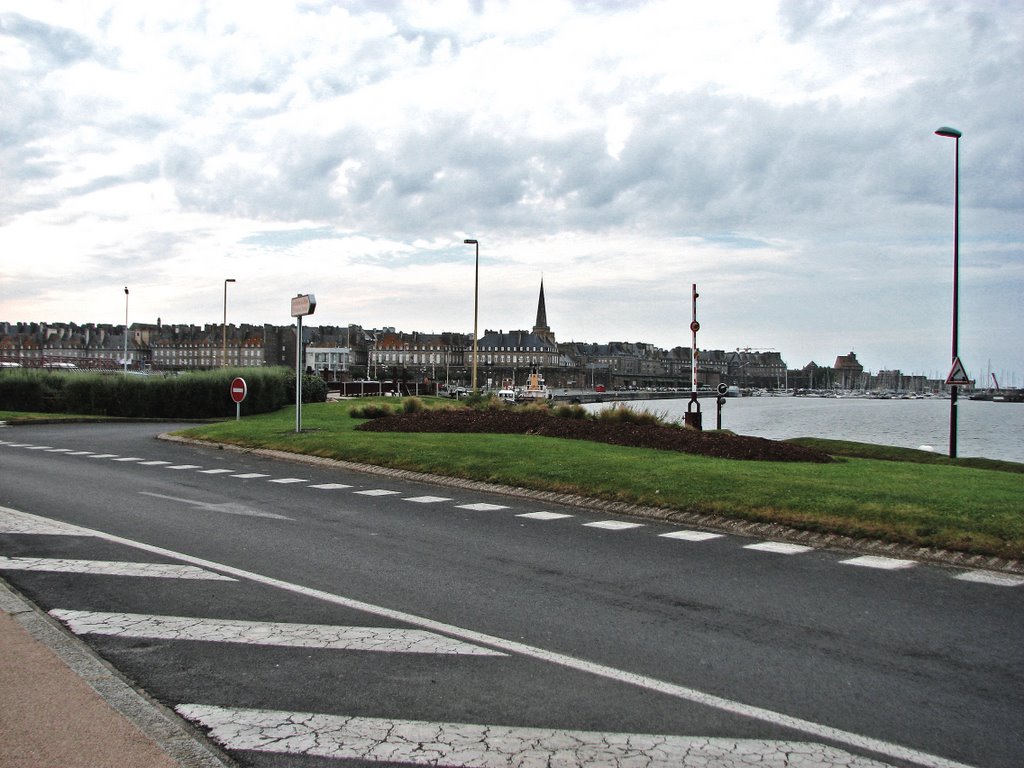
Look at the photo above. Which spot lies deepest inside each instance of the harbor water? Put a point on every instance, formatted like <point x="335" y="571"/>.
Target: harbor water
<point x="992" y="430"/>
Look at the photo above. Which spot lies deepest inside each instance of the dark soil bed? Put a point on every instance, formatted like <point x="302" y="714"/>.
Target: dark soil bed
<point x="530" y="422"/>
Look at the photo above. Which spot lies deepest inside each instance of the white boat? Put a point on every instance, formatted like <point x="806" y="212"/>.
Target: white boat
<point x="535" y="389"/>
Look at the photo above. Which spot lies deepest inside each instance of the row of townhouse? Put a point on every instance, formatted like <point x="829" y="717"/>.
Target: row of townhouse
<point x="342" y="353"/>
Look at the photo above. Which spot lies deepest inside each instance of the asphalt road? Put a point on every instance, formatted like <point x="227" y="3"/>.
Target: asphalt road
<point x="464" y="627"/>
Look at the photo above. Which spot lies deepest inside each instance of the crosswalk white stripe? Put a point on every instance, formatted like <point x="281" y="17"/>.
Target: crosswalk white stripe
<point x="109" y="568"/>
<point x="492" y="746"/>
<point x="378" y="639"/>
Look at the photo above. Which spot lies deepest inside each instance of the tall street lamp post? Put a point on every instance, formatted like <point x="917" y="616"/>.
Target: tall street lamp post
<point x="953" y="133"/>
<point x="476" y="296"/>
<point x="126" y="330"/>
<point x="224" y="358"/>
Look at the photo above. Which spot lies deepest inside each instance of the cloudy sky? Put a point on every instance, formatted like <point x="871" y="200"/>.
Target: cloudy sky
<point x="781" y="155"/>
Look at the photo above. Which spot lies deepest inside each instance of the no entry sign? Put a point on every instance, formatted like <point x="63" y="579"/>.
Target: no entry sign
<point x="239" y="390"/>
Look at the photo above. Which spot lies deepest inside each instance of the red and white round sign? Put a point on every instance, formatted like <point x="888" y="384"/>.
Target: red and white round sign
<point x="238" y="389"/>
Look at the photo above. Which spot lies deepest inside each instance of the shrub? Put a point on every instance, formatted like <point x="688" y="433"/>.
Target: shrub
<point x="371" y="411"/>
<point x="412" y="405"/>
<point x="623" y="414"/>
<point x="571" y="411"/>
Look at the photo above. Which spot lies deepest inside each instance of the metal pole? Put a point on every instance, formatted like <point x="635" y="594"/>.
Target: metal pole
<point x="126" y="330"/>
<point x="298" y="373"/>
<point x="953" y="133"/>
<point x="476" y="304"/>
<point x="224" y="358"/>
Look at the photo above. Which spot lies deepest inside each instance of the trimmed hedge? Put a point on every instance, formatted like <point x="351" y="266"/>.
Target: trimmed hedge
<point x="203" y="395"/>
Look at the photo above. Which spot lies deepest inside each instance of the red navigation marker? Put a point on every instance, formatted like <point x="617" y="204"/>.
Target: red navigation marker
<point x="238" y="389"/>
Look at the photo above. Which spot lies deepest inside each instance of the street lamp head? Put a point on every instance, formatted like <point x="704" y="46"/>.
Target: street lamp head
<point x="471" y="242"/>
<point x="949" y="133"/>
<point x="229" y="280"/>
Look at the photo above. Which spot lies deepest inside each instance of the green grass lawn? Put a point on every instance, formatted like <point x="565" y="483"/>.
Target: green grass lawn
<point x="893" y="494"/>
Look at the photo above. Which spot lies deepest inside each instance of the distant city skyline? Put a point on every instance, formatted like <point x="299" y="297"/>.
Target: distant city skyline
<point x="779" y="154"/>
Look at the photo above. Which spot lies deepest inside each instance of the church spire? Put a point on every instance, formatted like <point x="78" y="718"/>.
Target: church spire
<point x="541" y="327"/>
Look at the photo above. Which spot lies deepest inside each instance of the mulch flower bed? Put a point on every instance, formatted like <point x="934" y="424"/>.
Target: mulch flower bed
<point x="531" y="422"/>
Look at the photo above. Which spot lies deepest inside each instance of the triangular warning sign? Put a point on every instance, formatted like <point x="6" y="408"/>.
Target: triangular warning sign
<point x="958" y="375"/>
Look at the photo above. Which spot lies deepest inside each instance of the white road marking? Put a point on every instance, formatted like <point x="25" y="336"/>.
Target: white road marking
<point x="992" y="578"/>
<point x="58" y="450"/>
<point x="481" y="507"/>
<point x="779" y="548"/>
<point x="80" y="453"/>
<point x="12" y="521"/>
<point x="103" y="456"/>
<point x="544" y="515"/>
<point x="228" y="507"/>
<point x="215" y="471"/>
<point x="156" y="463"/>
<point x="250" y="475"/>
<point x="377" y="492"/>
<point x="885" y="563"/>
<point x="183" y="466"/>
<point x="288" y="480"/>
<point x="409" y="742"/>
<point x="379" y="639"/>
<point x="613" y="525"/>
<point x="128" y="458"/>
<point x="109" y="568"/>
<point x="330" y="486"/>
<point x="39" y="447"/>
<point x="691" y="535"/>
<point x="427" y="499"/>
<point x="681" y="692"/>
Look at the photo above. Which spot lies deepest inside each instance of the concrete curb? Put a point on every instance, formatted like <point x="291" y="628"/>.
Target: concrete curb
<point x="710" y="522"/>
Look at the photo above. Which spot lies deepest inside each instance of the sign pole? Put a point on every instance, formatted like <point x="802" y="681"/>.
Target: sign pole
<point x="298" y="374"/>
<point x="302" y="304"/>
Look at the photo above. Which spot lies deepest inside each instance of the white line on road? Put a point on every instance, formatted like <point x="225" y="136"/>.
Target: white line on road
<point x="109" y="568"/>
<point x="377" y="492"/>
<point x="779" y="548"/>
<point x="544" y="515"/>
<point x="379" y="639"/>
<point x="613" y="525"/>
<point x="250" y="475"/>
<point x="228" y="507"/>
<point x="482" y="507"/>
<point x="885" y="563"/>
<point x="215" y="471"/>
<point x="992" y="578"/>
<point x="426" y="499"/>
<point x="155" y="463"/>
<point x="409" y="742"/>
<point x="330" y="486"/>
<point x="691" y="535"/>
<point x="288" y="480"/>
<point x="681" y="692"/>
<point x="184" y="466"/>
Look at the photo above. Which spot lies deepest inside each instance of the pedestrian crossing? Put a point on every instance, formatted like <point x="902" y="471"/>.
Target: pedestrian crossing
<point x="395" y="740"/>
<point x="883" y="563"/>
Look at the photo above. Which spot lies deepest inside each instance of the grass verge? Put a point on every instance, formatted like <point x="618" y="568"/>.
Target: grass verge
<point x="954" y="507"/>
